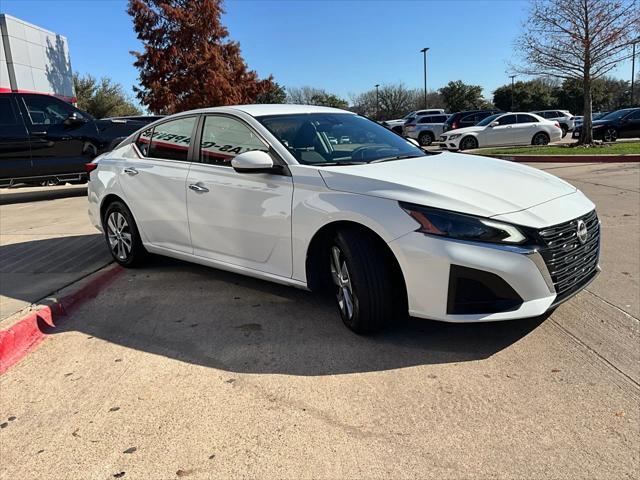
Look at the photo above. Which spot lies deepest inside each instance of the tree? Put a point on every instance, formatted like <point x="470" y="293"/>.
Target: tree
<point x="459" y="96"/>
<point x="606" y="94"/>
<point x="102" y="99"/>
<point x="188" y="61"/>
<point x="277" y="94"/>
<point x="314" y="96"/>
<point x="578" y="40"/>
<point x="535" y="94"/>
<point x="395" y="101"/>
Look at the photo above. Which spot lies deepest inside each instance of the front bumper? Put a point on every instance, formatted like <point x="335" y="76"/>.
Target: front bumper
<point x="521" y="276"/>
<point x="446" y="142"/>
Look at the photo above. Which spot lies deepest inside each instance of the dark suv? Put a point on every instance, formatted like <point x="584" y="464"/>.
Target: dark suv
<point x="623" y="123"/>
<point x="468" y="118"/>
<point x="45" y="140"/>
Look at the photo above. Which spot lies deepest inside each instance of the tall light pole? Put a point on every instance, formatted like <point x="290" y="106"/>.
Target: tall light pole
<point x="633" y="69"/>
<point x="512" y="89"/>
<point x="377" y="102"/>
<point x="424" y="51"/>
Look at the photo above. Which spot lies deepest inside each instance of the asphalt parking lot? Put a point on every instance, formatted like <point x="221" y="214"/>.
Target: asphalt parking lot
<point x="180" y="371"/>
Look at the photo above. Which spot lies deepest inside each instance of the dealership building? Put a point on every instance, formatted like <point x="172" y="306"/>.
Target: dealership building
<point x="33" y="59"/>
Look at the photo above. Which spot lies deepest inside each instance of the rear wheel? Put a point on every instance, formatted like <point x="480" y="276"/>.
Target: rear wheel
<point x="363" y="279"/>
<point x="540" y="138"/>
<point x="468" y="143"/>
<point x="122" y="235"/>
<point x="610" y="135"/>
<point x="425" y="139"/>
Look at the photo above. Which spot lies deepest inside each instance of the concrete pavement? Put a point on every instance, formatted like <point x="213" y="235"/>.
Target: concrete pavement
<point x="179" y="371"/>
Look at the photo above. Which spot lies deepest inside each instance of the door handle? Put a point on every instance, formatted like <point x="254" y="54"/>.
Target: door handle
<point x="198" y="188"/>
<point x="38" y="134"/>
<point x="131" y="171"/>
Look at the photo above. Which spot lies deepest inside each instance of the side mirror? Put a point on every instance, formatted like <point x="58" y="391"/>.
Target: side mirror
<point x="494" y="124"/>
<point x="254" y="161"/>
<point x="73" y="119"/>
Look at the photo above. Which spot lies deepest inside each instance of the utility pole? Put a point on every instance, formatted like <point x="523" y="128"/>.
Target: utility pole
<point x="512" y="89"/>
<point x="424" y="51"/>
<point x="377" y="102"/>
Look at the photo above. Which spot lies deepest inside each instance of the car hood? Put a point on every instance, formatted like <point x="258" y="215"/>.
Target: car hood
<point x="463" y="183"/>
<point x="465" y="130"/>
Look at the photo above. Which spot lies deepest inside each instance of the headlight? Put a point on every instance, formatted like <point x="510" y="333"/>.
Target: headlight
<point x="453" y="137"/>
<point x="464" y="227"/>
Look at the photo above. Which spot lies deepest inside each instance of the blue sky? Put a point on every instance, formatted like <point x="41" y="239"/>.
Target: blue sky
<point x="342" y="46"/>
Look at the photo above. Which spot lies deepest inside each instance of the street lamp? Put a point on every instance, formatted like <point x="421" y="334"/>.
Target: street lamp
<point x="377" y="102"/>
<point x="424" y="51"/>
<point x="512" y="88"/>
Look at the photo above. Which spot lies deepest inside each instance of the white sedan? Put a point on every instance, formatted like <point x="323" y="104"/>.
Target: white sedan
<point x="389" y="229"/>
<point x="504" y="129"/>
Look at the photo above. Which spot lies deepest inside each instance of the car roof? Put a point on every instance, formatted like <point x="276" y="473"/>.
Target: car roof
<point x="259" y="110"/>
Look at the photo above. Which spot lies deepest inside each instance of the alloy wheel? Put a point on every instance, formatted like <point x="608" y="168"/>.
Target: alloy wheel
<point x="540" y="139"/>
<point x="342" y="280"/>
<point x="610" y="135"/>
<point x="468" y="143"/>
<point x="119" y="235"/>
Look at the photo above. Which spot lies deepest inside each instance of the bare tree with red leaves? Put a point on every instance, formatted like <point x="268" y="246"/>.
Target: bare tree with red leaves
<point x="579" y="39"/>
<point x="188" y="61"/>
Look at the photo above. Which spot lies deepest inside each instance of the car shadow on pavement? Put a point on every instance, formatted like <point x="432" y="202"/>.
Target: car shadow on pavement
<point x="218" y="319"/>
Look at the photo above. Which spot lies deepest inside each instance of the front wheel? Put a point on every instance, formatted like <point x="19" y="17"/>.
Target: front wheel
<point x="468" y="143"/>
<point x="540" y="138"/>
<point x="610" y="135"/>
<point x="363" y="278"/>
<point x="122" y="235"/>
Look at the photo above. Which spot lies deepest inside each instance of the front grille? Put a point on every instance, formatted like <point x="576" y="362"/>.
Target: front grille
<point x="571" y="263"/>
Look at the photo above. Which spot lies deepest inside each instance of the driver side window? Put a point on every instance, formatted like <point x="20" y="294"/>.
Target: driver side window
<point x="507" y="120"/>
<point x="47" y="110"/>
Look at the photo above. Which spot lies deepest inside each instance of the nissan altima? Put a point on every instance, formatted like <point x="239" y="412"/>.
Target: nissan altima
<point x="390" y="230"/>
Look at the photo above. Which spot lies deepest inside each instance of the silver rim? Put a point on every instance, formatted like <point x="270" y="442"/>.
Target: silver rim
<point x="342" y="280"/>
<point x="610" y="135"/>
<point x="119" y="235"/>
<point x="468" y="144"/>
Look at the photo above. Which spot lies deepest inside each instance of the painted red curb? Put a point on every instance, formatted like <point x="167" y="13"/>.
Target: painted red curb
<point x="569" y="158"/>
<point x="25" y="335"/>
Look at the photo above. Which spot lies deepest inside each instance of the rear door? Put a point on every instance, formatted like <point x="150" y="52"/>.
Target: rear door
<point x="56" y="146"/>
<point x="525" y="128"/>
<point x="15" y="151"/>
<point x="155" y="182"/>
<point x="242" y="219"/>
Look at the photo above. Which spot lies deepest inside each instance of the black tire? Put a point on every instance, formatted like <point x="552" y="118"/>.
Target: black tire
<point x="468" y="143"/>
<point x="610" y="135"/>
<point x="398" y="130"/>
<point x="565" y="130"/>
<point x="425" y="139"/>
<point x="116" y="235"/>
<point x="540" y="138"/>
<point x="375" y="296"/>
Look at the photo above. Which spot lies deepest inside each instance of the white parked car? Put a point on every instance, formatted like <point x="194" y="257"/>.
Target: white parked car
<point x="503" y="129"/>
<point x="397" y="125"/>
<point x="259" y="190"/>
<point x="564" y="118"/>
<point x="425" y="129"/>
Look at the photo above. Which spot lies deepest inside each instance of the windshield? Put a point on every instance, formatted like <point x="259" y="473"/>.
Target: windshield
<point x="617" y="115"/>
<point x="488" y="120"/>
<point x="337" y="138"/>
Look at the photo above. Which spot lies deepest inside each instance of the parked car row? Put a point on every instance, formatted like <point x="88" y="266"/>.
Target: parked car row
<point x="45" y="140"/>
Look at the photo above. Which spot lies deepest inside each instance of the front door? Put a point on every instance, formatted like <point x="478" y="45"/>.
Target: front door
<point x="502" y="134"/>
<point x="15" y="152"/>
<point x="154" y="182"/>
<point x="242" y="219"/>
<point x="57" y="147"/>
<point x="630" y="126"/>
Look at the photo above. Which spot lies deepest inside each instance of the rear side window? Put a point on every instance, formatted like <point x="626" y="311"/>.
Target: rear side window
<point x="439" y="119"/>
<point x="470" y="119"/>
<point x="223" y="138"/>
<point x="527" y="119"/>
<point x="167" y="141"/>
<point x="7" y="113"/>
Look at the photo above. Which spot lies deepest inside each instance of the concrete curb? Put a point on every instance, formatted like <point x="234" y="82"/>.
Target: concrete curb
<point x="25" y="333"/>
<point x="568" y="158"/>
